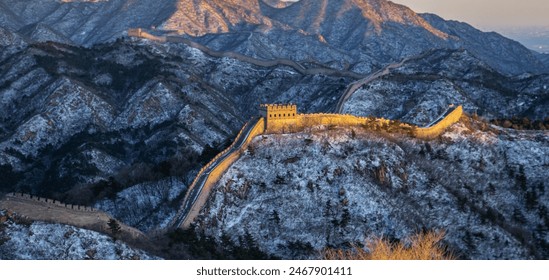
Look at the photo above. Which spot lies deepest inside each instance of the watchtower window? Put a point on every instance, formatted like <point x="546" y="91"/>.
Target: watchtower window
<point x="270" y="115"/>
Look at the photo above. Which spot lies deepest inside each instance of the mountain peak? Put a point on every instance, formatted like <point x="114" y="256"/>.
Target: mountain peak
<point x="316" y="16"/>
<point x="200" y="17"/>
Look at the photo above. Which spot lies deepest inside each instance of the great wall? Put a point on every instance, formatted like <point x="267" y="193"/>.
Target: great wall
<point x="139" y="33"/>
<point x="34" y="208"/>
<point x="275" y="119"/>
<point x="451" y="116"/>
<point x="360" y="83"/>
<point x="51" y="202"/>
<point x="283" y="119"/>
<point x="200" y="189"/>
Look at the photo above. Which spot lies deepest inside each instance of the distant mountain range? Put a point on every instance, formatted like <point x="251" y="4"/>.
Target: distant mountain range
<point x="359" y="34"/>
<point x="533" y="37"/>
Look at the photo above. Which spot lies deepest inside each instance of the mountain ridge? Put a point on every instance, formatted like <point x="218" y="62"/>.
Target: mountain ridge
<point x="364" y="35"/>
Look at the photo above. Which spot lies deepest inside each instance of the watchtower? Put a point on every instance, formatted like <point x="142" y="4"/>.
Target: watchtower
<point x="135" y="32"/>
<point x="278" y="114"/>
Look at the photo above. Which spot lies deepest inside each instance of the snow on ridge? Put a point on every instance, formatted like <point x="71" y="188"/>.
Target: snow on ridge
<point x="330" y="187"/>
<point x="43" y="241"/>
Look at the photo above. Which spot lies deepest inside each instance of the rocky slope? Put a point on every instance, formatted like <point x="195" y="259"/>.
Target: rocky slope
<point x="422" y="88"/>
<point x="81" y="123"/>
<point x="85" y="22"/>
<point x="544" y="58"/>
<point x="296" y="194"/>
<point x="492" y="48"/>
<point x="148" y="206"/>
<point x="132" y="110"/>
<point x="376" y="32"/>
<point x="20" y="240"/>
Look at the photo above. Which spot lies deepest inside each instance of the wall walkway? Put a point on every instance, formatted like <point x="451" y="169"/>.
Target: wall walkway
<point x="202" y="185"/>
<point x="208" y="176"/>
<point x="451" y="116"/>
<point x="35" y="208"/>
<point x="259" y="62"/>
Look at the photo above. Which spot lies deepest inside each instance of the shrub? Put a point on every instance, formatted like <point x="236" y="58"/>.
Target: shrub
<point x="423" y="246"/>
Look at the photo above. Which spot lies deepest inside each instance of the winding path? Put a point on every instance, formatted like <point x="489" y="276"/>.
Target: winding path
<point x="190" y="208"/>
<point x="255" y="61"/>
<point x="50" y="211"/>
<point x="199" y="192"/>
<point x="358" y="84"/>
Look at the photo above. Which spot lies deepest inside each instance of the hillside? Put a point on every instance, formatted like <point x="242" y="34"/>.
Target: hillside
<point x="422" y="87"/>
<point x="23" y="240"/>
<point x="80" y="123"/>
<point x="298" y="193"/>
<point x="95" y="114"/>
<point x="376" y="33"/>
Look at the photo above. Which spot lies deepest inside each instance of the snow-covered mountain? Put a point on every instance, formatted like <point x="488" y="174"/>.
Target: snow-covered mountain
<point x="81" y="116"/>
<point x="359" y="34"/>
<point x="422" y="87"/>
<point x="124" y="124"/>
<point x="296" y="194"/>
<point x="85" y="22"/>
<point x="43" y="241"/>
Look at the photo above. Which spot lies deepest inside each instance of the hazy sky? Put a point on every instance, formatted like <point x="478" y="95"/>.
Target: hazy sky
<point x="486" y="14"/>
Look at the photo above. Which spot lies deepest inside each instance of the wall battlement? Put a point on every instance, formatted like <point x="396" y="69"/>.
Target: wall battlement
<point x="303" y="121"/>
<point x="52" y="202"/>
<point x="139" y="33"/>
<point x="135" y="32"/>
<point x="277" y="119"/>
<point x="212" y="172"/>
<point x="278" y="114"/>
<point x="278" y="111"/>
<point x="452" y="115"/>
<point x="35" y="208"/>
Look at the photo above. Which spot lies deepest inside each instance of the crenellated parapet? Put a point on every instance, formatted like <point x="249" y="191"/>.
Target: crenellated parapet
<point x="278" y="119"/>
<point x="451" y="116"/>
<point x="278" y="114"/>
<point x="135" y="32"/>
<point x="278" y="111"/>
<point x="206" y="178"/>
<point x="281" y="119"/>
<point x="51" y="202"/>
<point x="34" y="208"/>
<point x="139" y="33"/>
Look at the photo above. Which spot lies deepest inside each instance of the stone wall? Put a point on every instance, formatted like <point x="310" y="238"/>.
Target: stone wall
<point x="296" y="124"/>
<point x="134" y="32"/>
<point x="52" y="202"/>
<point x="323" y="70"/>
<point x="305" y="121"/>
<point x="34" y="208"/>
<point x="274" y="111"/>
<point x="139" y="33"/>
<point x="231" y="154"/>
<point x="438" y="128"/>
